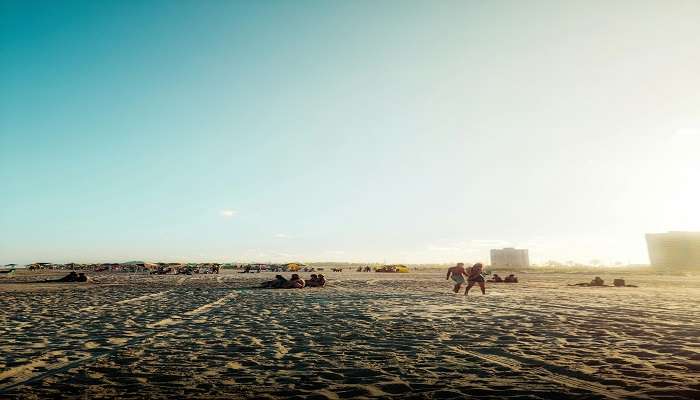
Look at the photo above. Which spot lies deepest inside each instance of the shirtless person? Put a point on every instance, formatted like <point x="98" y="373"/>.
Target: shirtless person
<point x="457" y="273"/>
<point x="475" y="276"/>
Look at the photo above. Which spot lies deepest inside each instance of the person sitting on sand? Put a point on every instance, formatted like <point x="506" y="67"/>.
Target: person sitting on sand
<point x="621" y="283"/>
<point x="295" y="283"/>
<point x="475" y="276"/>
<point x="316" y="281"/>
<point x="313" y="280"/>
<point x="511" y="279"/>
<point x="457" y="273"/>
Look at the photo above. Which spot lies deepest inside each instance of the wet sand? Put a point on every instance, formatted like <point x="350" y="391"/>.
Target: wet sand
<point x="366" y="335"/>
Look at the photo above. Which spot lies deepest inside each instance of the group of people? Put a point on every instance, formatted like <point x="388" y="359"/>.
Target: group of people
<point x="295" y="282"/>
<point x="473" y="275"/>
<point x="599" y="282"/>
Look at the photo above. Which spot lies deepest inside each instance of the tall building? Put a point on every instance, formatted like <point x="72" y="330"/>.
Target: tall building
<point x="674" y="250"/>
<point x="509" y="257"/>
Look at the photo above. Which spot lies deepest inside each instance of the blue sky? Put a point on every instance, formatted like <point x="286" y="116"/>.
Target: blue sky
<point x="398" y="131"/>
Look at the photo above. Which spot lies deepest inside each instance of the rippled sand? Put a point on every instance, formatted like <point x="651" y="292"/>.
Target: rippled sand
<point x="366" y="335"/>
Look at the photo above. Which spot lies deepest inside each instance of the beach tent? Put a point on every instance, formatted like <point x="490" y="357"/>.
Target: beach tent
<point x="401" y="268"/>
<point x="294" y="267"/>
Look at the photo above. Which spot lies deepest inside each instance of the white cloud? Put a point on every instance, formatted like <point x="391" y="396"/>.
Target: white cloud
<point x="282" y="236"/>
<point x="228" y="213"/>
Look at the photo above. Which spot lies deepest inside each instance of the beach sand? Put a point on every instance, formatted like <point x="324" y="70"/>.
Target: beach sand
<point x="366" y="335"/>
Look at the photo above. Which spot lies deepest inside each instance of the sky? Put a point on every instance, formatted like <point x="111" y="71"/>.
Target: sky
<point x="366" y="131"/>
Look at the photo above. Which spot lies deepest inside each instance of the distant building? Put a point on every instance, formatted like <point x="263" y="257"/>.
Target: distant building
<point x="674" y="250"/>
<point x="509" y="257"/>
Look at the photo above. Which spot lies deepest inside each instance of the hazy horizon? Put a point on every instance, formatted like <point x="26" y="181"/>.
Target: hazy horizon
<point x="406" y="132"/>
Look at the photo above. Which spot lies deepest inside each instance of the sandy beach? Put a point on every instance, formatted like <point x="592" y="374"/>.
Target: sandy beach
<point x="366" y="335"/>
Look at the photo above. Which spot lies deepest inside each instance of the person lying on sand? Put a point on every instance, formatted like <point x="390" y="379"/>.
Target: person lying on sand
<point x="295" y="283"/>
<point x="457" y="273"/>
<point x="496" y="278"/>
<point x="71" y="277"/>
<point x="511" y="279"/>
<point x="597" y="281"/>
<point x="475" y="276"/>
<point x="277" y="283"/>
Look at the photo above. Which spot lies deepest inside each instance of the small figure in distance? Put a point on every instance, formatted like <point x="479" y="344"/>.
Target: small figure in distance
<point x="621" y="283"/>
<point x="475" y="276"/>
<point x="457" y="273"/>
<point x="597" y="281"/>
<point x="71" y="277"/>
<point x="296" y="282"/>
<point x="511" y="279"/>
<point x="496" y="279"/>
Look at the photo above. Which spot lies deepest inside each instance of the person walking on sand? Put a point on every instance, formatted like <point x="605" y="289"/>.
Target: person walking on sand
<point x="457" y="273"/>
<point x="475" y="276"/>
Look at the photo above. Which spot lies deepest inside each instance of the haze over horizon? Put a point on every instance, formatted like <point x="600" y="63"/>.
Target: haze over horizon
<point x="412" y="131"/>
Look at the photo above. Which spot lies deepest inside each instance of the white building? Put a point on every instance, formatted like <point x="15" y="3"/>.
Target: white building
<point x="510" y="257"/>
<point x="674" y="250"/>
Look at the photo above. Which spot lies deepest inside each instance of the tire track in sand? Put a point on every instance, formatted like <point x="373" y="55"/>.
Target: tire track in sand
<point x="25" y="373"/>
<point x="551" y="373"/>
<point x="127" y="301"/>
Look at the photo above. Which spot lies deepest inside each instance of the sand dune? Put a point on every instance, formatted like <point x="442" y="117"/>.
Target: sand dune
<point x="365" y="335"/>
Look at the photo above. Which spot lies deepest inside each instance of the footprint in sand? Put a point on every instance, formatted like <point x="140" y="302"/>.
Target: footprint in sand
<point x="234" y="365"/>
<point x="281" y="350"/>
<point x="116" y="341"/>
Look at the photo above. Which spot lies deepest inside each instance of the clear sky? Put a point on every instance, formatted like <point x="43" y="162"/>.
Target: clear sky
<point x="397" y="131"/>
